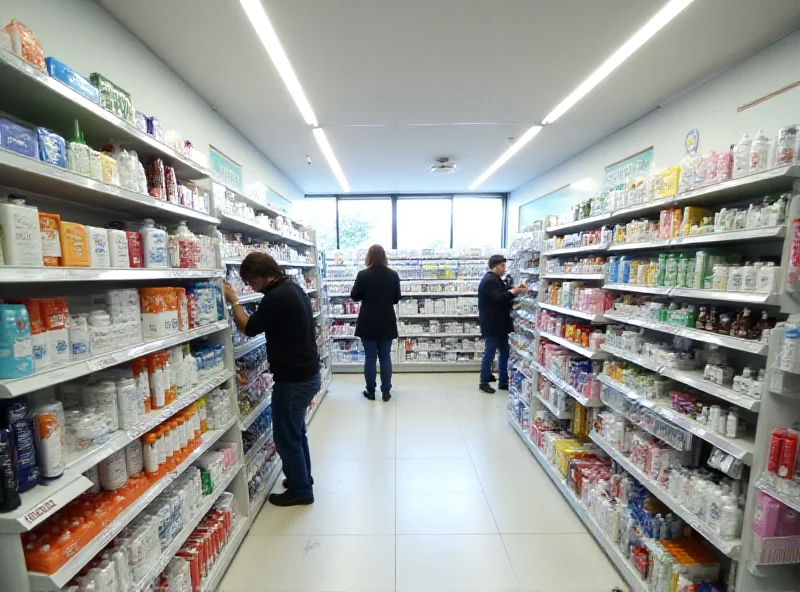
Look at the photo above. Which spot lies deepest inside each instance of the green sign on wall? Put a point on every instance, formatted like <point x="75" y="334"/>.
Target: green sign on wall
<point x="628" y="169"/>
<point x="224" y="170"/>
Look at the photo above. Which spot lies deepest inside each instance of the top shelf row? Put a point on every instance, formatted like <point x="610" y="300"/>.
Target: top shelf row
<point x="777" y="179"/>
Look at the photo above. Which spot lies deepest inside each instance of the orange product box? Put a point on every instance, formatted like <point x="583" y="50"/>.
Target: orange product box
<point x="51" y="242"/>
<point x="74" y="244"/>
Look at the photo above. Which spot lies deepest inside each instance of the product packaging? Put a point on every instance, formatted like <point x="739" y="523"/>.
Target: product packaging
<point x="22" y="239"/>
<point x="112" y="97"/>
<point x="51" y="242"/>
<point x="52" y="148"/>
<point x="18" y="138"/>
<point x="63" y="73"/>
<point x="75" y="249"/>
<point x="25" y="44"/>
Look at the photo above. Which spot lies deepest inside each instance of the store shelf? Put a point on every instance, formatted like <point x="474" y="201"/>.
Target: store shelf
<point x="322" y="392"/>
<point x="29" y="275"/>
<point x="578" y="224"/>
<point x="257" y="503"/>
<point x="741" y="448"/>
<point x="56" y="581"/>
<point x="30" y="94"/>
<point x="640" y="289"/>
<point x="748" y="187"/>
<point x="249" y="345"/>
<point x="256" y="447"/>
<point x="348" y="317"/>
<point x="694" y="379"/>
<point x="529" y="270"/>
<point x="439" y="316"/>
<point x="72" y="370"/>
<point x="419" y="367"/>
<point x="720" y="296"/>
<point x="439" y="335"/>
<point x="238" y="261"/>
<point x="745" y="345"/>
<point x="339" y="337"/>
<point x="589" y="316"/>
<point x="576" y="250"/>
<point x="248" y="227"/>
<point x="248" y="420"/>
<point x="549" y="406"/>
<point x="436" y="294"/>
<point x="730" y="547"/>
<point x="257" y="205"/>
<point x="771" y="490"/>
<point x="652" y="365"/>
<point x="659" y="244"/>
<point x="627" y="571"/>
<point x="220" y="566"/>
<point x="35" y="176"/>
<point x="573" y="276"/>
<point x="567" y="388"/>
<point x="175" y="546"/>
<point x="245" y="298"/>
<point x="587" y="353"/>
<point x="766" y="233"/>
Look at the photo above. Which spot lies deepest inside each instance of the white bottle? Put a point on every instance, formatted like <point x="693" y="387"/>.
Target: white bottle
<point x="765" y="280"/>
<point x="22" y="238"/>
<point x="732" y="424"/>
<point x="154" y="244"/>
<point x="759" y="153"/>
<point x="79" y="336"/>
<point x="729" y="518"/>
<point x="118" y="248"/>
<point x="98" y="247"/>
<point x="113" y="471"/>
<point x="741" y="157"/>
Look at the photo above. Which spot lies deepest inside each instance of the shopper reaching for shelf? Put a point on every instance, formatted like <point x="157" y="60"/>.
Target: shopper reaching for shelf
<point x="285" y="317"/>
<point x="494" y="316"/>
<point x="378" y="290"/>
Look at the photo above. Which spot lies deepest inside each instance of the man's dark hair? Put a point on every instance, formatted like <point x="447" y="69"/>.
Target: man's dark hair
<point x="259" y="265"/>
<point x="495" y="260"/>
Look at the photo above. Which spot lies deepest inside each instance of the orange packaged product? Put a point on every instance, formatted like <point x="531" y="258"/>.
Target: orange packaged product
<point x="25" y="44"/>
<point x="177" y="451"/>
<point x="158" y="384"/>
<point x="51" y="243"/>
<point x="140" y="373"/>
<point x="74" y="244"/>
<point x="183" y="309"/>
<point x="171" y="388"/>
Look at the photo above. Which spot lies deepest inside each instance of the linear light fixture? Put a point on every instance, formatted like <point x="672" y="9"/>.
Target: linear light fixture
<point x="653" y="26"/>
<point x="325" y="146"/>
<point x="515" y="147"/>
<point x="258" y="18"/>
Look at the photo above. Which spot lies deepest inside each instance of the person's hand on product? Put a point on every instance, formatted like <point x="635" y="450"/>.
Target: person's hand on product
<point x="519" y="290"/>
<point x="230" y="294"/>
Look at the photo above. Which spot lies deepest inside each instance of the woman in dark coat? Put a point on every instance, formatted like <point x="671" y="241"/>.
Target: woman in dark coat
<point x="378" y="289"/>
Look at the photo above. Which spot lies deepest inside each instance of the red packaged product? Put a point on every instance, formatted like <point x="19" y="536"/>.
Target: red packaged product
<point x="156" y="184"/>
<point x="171" y="185"/>
<point x="775" y="450"/>
<point x="135" y="249"/>
<point x="191" y="554"/>
<point x="788" y="455"/>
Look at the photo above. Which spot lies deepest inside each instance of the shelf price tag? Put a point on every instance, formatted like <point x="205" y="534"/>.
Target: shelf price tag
<point x="104" y="362"/>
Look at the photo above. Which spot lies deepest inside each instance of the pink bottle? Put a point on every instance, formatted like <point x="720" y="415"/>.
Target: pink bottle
<point x="766" y="515"/>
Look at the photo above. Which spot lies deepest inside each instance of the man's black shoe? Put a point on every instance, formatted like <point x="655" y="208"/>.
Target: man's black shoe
<point x="493" y="378"/>
<point x="285" y="483"/>
<point x="369" y="395"/>
<point x="386" y="396"/>
<point x="503" y="386"/>
<point x="290" y="499"/>
<point x="484" y="386"/>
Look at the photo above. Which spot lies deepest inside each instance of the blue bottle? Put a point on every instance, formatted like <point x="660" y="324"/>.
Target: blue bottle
<point x="16" y="351"/>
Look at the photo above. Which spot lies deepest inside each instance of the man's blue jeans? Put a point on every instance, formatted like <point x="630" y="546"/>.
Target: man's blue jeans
<point x="374" y="349"/>
<point x="491" y="345"/>
<point x="289" y="404"/>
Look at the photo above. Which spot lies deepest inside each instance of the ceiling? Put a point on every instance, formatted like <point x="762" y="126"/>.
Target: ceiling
<point x="398" y="83"/>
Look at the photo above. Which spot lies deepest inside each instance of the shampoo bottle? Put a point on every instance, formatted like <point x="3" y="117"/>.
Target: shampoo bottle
<point x="22" y="239"/>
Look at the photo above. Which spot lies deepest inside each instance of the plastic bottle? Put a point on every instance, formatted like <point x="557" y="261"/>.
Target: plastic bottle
<point x="113" y="471"/>
<point x="21" y="235"/>
<point x="98" y="247"/>
<point x="49" y="439"/>
<point x="150" y="454"/>
<point x="741" y="157"/>
<point x="154" y="244"/>
<point x="759" y="153"/>
<point x="16" y="351"/>
<point x="118" y="248"/>
<point x="79" y="336"/>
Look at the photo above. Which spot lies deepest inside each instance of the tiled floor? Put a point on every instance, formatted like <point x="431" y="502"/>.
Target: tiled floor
<point x="431" y="491"/>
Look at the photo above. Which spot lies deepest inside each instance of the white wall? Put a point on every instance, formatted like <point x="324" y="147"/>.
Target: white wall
<point x="711" y="108"/>
<point x="88" y="39"/>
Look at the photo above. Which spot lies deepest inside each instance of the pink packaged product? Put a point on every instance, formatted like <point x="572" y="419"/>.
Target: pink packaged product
<point x="766" y="515"/>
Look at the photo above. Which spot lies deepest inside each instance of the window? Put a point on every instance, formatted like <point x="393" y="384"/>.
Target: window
<point x="477" y="222"/>
<point x="364" y="222"/>
<point x="320" y="214"/>
<point x="423" y="223"/>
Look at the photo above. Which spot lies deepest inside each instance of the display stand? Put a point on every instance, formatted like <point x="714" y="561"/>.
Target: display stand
<point x="740" y="556"/>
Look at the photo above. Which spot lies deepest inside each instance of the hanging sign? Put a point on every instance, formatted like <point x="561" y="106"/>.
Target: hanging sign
<point x="224" y="170"/>
<point x="628" y="169"/>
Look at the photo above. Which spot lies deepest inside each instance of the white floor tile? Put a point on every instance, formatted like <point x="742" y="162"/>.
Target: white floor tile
<point x="312" y="563"/>
<point x="444" y="513"/>
<point x="438" y="475"/>
<point x="561" y="563"/>
<point x="532" y="511"/>
<point x="453" y="563"/>
<point x="354" y="475"/>
<point x="331" y="513"/>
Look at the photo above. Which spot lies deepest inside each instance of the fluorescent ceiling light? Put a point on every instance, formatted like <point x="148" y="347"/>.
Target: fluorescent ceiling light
<point x="515" y="147"/>
<point x="260" y="21"/>
<point x="653" y="26"/>
<point x="322" y="140"/>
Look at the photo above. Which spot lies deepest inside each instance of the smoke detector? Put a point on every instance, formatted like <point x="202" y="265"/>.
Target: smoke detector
<point x="443" y="165"/>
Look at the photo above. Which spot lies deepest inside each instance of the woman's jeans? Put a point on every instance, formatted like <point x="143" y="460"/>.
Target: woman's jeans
<point x="290" y="402"/>
<point x="374" y="349"/>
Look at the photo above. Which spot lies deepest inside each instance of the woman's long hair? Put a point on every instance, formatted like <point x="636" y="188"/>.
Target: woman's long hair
<point x="376" y="257"/>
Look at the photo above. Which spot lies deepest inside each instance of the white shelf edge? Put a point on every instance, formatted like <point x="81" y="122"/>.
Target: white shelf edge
<point x="573" y="250"/>
<point x="589" y="316"/>
<point x="633" y="288"/>
<point x="55" y="581"/>
<point x="567" y="388"/>
<point x="439" y="316"/>
<point x="18" y="275"/>
<point x="439" y="335"/>
<point x="72" y="370"/>
<point x="245" y="298"/>
<point x="731" y="548"/>
<point x="436" y="294"/>
<point x="631" y="357"/>
<point x="248" y="420"/>
<point x="628" y="572"/>
<point x="250" y="345"/>
<point x="573" y="276"/>
<point x="549" y="406"/>
<point x="755" y="234"/>
<point x="578" y="349"/>
<point x="255" y="448"/>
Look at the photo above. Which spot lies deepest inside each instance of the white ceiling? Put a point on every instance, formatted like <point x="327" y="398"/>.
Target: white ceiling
<point x="373" y="69"/>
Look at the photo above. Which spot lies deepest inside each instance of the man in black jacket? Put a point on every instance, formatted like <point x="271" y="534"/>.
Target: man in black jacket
<point x="285" y="317"/>
<point x="494" y="316"/>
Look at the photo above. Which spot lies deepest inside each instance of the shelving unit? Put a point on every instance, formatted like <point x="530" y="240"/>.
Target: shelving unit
<point x="760" y="414"/>
<point x="463" y="271"/>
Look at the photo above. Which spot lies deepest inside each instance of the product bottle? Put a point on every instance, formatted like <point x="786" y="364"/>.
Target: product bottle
<point x="701" y="319"/>
<point x="732" y="424"/>
<point x="16" y="350"/>
<point x="154" y="244"/>
<point x="759" y="153"/>
<point x="741" y="157"/>
<point x="21" y="234"/>
<point x="746" y="325"/>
